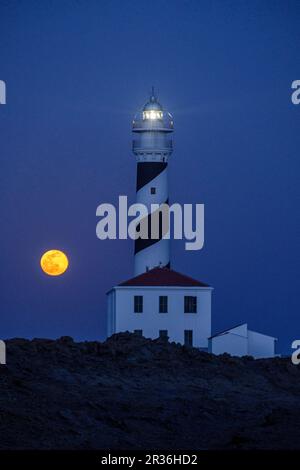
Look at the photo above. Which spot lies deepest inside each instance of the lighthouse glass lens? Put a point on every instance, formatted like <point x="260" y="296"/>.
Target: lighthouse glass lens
<point x="152" y="114"/>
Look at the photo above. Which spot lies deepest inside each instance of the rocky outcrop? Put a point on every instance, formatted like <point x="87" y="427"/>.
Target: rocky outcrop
<point x="133" y="393"/>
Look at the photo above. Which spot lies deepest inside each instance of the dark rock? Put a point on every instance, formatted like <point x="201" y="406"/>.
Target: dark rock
<point x="132" y="392"/>
<point x="65" y="340"/>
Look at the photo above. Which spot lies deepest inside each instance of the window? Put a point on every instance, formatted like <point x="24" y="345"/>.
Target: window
<point x="153" y="190"/>
<point x="163" y="304"/>
<point x="138" y="332"/>
<point x="190" y="304"/>
<point x="188" y="338"/>
<point x="163" y="333"/>
<point x="138" y="304"/>
<point x="152" y="114"/>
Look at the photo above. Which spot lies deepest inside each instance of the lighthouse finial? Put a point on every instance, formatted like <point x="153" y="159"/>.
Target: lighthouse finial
<point x="152" y="97"/>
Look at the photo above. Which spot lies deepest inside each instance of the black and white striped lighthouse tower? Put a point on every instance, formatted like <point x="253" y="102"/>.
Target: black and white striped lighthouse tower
<point x="152" y="146"/>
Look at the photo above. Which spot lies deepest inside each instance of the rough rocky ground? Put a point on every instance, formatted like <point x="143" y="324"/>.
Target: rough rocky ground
<point x="133" y="393"/>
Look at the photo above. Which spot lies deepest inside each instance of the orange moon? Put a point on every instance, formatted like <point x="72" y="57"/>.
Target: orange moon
<point x="54" y="262"/>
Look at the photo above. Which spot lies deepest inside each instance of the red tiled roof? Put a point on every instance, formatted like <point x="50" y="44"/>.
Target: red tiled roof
<point x="163" y="277"/>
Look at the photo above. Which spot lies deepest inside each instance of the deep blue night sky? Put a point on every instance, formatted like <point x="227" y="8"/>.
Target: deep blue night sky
<point x="76" y="72"/>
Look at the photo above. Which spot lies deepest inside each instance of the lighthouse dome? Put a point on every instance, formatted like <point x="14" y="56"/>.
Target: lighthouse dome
<point x="153" y="117"/>
<point x="152" y="104"/>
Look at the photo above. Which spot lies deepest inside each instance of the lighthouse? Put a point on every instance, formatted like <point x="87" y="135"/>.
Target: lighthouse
<point x="159" y="301"/>
<point x="152" y="146"/>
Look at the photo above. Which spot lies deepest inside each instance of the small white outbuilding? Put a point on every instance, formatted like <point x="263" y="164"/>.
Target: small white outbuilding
<point x="240" y="341"/>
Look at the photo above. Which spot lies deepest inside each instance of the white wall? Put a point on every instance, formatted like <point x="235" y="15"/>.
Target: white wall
<point x="260" y="345"/>
<point x="111" y="313"/>
<point x="240" y="341"/>
<point x="231" y="343"/>
<point x="151" y="321"/>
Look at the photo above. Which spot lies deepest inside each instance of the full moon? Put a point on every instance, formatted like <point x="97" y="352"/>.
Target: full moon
<point x="54" y="262"/>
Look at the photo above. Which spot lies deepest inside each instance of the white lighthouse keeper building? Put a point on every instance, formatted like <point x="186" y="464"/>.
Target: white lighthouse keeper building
<point x="162" y="302"/>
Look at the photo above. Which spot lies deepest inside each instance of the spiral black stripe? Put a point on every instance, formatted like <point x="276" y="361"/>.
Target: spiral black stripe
<point x="147" y="171"/>
<point x="142" y="243"/>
